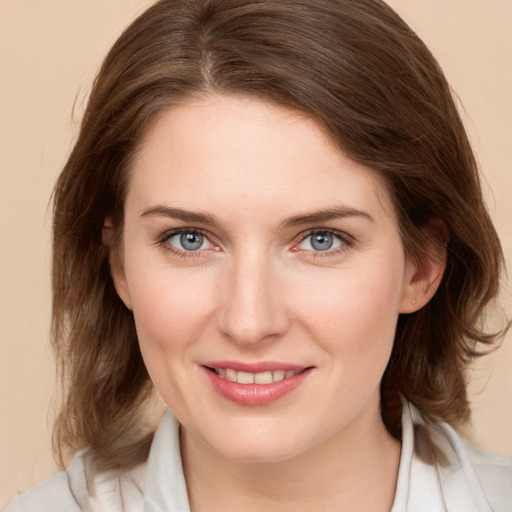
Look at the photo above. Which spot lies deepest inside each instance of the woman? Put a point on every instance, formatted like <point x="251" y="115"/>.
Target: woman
<point x="273" y="216"/>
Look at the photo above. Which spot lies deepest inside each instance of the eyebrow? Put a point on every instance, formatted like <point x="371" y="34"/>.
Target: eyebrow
<point x="184" y="215"/>
<point x="325" y="215"/>
<point x="210" y="220"/>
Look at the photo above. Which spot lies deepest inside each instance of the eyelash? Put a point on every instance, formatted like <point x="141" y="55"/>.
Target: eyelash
<point x="162" y="242"/>
<point x="346" y="240"/>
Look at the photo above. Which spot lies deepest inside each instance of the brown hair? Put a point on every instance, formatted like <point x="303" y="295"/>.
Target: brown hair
<point x="359" y="70"/>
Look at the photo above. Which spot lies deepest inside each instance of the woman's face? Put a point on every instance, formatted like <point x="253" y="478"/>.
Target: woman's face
<point x="265" y="273"/>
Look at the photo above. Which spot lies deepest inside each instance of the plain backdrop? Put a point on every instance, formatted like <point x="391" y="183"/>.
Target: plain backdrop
<point x="49" y="53"/>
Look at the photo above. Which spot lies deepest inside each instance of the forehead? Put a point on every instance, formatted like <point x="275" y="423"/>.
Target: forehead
<point x="219" y="150"/>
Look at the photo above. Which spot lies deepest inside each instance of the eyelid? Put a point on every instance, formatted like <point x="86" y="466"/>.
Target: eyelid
<point x="336" y="232"/>
<point x="177" y="231"/>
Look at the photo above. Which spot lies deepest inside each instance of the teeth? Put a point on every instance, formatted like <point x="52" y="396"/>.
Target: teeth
<point x="278" y="375"/>
<point x="231" y="374"/>
<point x="245" y="378"/>
<point x="255" y="378"/>
<point x="263" y="378"/>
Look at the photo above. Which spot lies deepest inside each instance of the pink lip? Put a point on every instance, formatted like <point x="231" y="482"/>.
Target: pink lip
<point x="255" y="394"/>
<point x="264" y="366"/>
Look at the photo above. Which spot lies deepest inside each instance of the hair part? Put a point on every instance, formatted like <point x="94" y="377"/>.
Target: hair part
<point x="363" y="74"/>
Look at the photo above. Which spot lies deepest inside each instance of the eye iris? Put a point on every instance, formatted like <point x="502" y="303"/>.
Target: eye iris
<point x="191" y="241"/>
<point x="321" y="241"/>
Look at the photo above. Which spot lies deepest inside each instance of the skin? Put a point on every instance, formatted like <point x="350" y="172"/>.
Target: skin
<point x="257" y="290"/>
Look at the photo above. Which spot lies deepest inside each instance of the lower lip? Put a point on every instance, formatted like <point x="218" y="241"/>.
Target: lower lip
<point x="255" y="394"/>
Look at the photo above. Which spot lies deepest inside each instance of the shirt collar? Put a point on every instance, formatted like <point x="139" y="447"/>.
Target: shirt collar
<point x="165" y="489"/>
<point x="435" y="473"/>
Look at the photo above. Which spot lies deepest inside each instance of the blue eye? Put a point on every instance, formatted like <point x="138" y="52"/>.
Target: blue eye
<point x="189" y="240"/>
<point x="321" y="241"/>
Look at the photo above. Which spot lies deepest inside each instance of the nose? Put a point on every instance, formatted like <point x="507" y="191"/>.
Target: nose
<point x="252" y="306"/>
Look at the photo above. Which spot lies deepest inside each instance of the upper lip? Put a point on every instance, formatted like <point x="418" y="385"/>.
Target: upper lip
<point x="257" y="367"/>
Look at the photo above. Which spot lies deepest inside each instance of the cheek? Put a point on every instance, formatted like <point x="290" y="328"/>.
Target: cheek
<point x="170" y="308"/>
<point x="353" y="313"/>
<point x="171" y="311"/>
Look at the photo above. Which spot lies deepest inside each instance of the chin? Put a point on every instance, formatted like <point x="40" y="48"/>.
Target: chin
<point x="257" y="446"/>
<point x="265" y="454"/>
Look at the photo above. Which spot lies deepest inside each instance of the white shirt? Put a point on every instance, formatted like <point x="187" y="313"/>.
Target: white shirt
<point x="438" y="472"/>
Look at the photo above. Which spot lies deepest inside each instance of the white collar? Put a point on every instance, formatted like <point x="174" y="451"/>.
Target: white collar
<point x="435" y="472"/>
<point x="165" y="489"/>
<point x="445" y="482"/>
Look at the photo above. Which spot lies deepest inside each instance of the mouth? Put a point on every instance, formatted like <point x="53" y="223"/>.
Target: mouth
<point x="266" y="377"/>
<point x="255" y="384"/>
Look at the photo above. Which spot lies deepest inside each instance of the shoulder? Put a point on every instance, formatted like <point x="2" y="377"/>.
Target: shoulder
<point x="48" y="496"/>
<point x="484" y="474"/>
<point x="444" y="470"/>
<point x="495" y="475"/>
<point x="79" y="489"/>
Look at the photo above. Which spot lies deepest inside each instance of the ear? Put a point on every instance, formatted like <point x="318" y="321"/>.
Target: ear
<point x="116" y="263"/>
<point x="424" y="274"/>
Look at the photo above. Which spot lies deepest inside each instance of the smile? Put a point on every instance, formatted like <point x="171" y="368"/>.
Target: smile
<point x="254" y="378"/>
<point x="266" y="383"/>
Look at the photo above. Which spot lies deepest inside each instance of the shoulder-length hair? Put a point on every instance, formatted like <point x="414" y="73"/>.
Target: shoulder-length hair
<point x="364" y="75"/>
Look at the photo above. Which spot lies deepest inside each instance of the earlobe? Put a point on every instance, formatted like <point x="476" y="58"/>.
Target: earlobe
<point x="116" y="263"/>
<point x="424" y="274"/>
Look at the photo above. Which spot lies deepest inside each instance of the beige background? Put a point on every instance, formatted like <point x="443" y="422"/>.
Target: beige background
<point x="49" y="51"/>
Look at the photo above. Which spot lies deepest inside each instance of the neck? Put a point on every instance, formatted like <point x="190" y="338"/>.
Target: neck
<point x="354" y="470"/>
